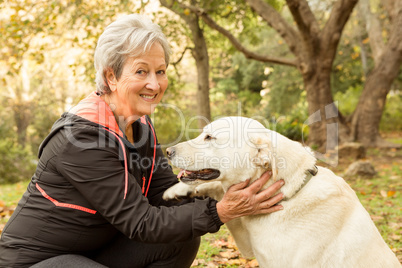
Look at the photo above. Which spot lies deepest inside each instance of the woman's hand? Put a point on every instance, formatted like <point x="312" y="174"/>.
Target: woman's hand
<point x="242" y="200"/>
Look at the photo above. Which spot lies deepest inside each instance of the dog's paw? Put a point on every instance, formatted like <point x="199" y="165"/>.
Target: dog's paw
<point x="178" y="191"/>
<point x="212" y="189"/>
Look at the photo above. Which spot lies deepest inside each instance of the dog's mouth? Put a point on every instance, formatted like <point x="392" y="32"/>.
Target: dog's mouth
<point x="203" y="174"/>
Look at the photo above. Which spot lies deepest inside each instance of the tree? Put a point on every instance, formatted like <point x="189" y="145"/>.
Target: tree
<point x="314" y="47"/>
<point x="387" y="57"/>
<point x="202" y="40"/>
<point x="314" y="50"/>
<point x="35" y="36"/>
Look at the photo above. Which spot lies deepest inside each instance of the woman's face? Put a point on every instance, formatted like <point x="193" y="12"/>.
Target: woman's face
<point x="141" y="85"/>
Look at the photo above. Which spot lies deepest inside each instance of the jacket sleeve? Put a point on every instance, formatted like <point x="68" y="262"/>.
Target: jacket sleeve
<point x="97" y="172"/>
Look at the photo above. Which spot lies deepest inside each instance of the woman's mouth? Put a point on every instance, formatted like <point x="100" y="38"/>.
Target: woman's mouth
<point x="148" y="97"/>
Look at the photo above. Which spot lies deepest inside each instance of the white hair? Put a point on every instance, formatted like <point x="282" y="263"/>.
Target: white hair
<point x="129" y="36"/>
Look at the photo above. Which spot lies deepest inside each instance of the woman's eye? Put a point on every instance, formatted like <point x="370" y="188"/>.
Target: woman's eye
<point x="161" y="72"/>
<point x="141" y="72"/>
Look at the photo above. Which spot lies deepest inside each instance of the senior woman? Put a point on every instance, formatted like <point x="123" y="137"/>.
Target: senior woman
<point x="95" y="198"/>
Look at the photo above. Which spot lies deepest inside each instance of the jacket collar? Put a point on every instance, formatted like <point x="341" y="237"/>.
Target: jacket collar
<point x="95" y="109"/>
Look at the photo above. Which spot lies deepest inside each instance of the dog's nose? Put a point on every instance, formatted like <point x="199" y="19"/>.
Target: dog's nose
<point x="170" y="152"/>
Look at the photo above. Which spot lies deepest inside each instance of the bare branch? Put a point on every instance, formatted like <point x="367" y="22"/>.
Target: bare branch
<point x="275" y="20"/>
<point x="249" y="54"/>
<point x="304" y="18"/>
<point x="181" y="56"/>
<point x="373" y="29"/>
<point x="395" y="39"/>
<point x="390" y="6"/>
<point x="331" y="34"/>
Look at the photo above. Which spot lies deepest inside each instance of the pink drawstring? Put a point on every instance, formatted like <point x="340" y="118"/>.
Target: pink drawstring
<point x="125" y="161"/>
<point x="153" y="161"/>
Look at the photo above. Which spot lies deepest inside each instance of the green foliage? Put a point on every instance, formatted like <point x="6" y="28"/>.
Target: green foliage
<point x="348" y="100"/>
<point x="391" y="118"/>
<point x="16" y="162"/>
<point x="285" y="86"/>
<point x="292" y="124"/>
<point x="348" y="71"/>
<point x="248" y="74"/>
<point x="277" y="4"/>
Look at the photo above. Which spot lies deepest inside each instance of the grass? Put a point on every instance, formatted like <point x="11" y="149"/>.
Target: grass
<point x="10" y="194"/>
<point x="382" y="198"/>
<point x="380" y="195"/>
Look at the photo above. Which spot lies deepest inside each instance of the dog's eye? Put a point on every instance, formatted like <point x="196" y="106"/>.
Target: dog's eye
<point x="208" y="137"/>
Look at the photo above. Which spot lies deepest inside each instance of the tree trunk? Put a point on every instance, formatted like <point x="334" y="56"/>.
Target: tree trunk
<point x="367" y="116"/>
<point x="200" y="55"/>
<point x="22" y="116"/>
<point x="325" y="122"/>
<point x="317" y="88"/>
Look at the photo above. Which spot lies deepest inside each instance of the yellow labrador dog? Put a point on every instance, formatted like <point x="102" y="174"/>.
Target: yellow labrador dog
<point x="323" y="224"/>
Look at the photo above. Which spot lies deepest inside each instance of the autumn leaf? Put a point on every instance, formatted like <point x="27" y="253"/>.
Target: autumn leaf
<point x="253" y="263"/>
<point x="391" y="193"/>
<point x="230" y="254"/>
<point x="383" y="193"/>
<point x="376" y="217"/>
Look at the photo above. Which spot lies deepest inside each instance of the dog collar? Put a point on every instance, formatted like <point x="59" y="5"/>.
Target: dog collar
<point x="309" y="174"/>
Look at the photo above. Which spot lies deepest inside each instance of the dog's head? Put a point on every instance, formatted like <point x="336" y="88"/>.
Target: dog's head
<point x="230" y="149"/>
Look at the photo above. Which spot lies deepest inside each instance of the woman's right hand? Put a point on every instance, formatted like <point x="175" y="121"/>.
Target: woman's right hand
<point x="242" y="199"/>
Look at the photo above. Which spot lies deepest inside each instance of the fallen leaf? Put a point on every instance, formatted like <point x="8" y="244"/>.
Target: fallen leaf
<point x="391" y="193"/>
<point x="395" y="225"/>
<point x="395" y="237"/>
<point x="229" y="254"/>
<point x="212" y="264"/>
<point x="253" y="263"/>
<point x="231" y="242"/>
<point x="383" y="193"/>
<point x="221" y="243"/>
<point x="376" y="217"/>
<point x="236" y="262"/>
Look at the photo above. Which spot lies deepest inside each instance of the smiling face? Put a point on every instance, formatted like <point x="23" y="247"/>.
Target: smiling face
<point x="141" y="85"/>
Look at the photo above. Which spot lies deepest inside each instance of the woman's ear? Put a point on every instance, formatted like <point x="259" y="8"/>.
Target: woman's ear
<point x="111" y="79"/>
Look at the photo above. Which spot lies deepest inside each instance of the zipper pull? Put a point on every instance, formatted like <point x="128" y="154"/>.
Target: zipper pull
<point x="143" y="185"/>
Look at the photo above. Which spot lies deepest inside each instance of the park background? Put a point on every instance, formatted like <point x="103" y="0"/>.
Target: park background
<point x="281" y="62"/>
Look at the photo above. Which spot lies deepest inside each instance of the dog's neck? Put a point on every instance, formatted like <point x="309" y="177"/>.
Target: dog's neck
<point x="293" y="164"/>
<point x="310" y="173"/>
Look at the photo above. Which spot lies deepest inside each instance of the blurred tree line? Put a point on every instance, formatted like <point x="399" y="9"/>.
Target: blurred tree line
<point x="275" y="60"/>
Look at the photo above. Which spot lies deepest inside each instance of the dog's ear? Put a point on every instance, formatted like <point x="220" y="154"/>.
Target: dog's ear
<point x="265" y="153"/>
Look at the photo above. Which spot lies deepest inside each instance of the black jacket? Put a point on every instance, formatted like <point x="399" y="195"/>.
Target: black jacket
<point x="91" y="183"/>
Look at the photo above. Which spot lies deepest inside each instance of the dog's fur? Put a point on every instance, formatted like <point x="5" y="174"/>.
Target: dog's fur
<point x="323" y="224"/>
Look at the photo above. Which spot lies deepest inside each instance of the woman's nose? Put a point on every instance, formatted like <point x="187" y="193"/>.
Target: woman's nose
<point x="152" y="82"/>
